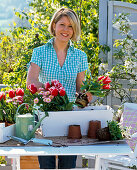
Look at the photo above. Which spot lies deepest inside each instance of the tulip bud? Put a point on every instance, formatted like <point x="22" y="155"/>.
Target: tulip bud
<point x="32" y="88"/>
<point x="11" y="93"/>
<point x="20" y="92"/>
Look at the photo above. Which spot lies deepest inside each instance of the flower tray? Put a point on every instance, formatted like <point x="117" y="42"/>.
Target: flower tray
<point x="57" y="123"/>
<point x="5" y="132"/>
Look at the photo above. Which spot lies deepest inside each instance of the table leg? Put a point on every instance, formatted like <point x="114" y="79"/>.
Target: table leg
<point x="56" y="160"/>
<point x="16" y="162"/>
<point x="97" y="163"/>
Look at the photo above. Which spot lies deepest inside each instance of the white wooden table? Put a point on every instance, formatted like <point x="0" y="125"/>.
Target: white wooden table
<point x="97" y="150"/>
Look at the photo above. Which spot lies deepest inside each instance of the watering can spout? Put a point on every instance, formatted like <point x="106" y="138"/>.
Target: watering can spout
<point x="36" y="127"/>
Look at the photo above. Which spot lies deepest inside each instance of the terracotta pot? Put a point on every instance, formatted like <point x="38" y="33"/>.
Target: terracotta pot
<point x="74" y="132"/>
<point x="103" y="134"/>
<point x="94" y="125"/>
<point x="8" y="124"/>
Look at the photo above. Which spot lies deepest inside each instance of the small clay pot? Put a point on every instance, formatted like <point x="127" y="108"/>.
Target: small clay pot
<point x="74" y="132"/>
<point x="103" y="134"/>
<point x="94" y="125"/>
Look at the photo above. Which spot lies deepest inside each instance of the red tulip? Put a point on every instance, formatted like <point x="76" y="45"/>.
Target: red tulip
<point x="106" y="80"/>
<point x="2" y="96"/>
<point x="53" y="82"/>
<point x="47" y="85"/>
<point x="11" y="93"/>
<point x="20" y="92"/>
<point x="62" y="92"/>
<point x="100" y="78"/>
<point x="18" y="99"/>
<point x="54" y="92"/>
<point x="107" y="86"/>
<point x="58" y="85"/>
<point x="51" y="89"/>
<point x="32" y="88"/>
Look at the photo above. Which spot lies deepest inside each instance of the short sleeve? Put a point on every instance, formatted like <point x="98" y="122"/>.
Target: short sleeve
<point x="36" y="57"/>
<point x="83" y="64"/>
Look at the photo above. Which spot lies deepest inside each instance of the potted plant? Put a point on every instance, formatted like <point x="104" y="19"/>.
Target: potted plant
<point x="111" y="132"/>
<point x="99" y="86"/>
<point x="10" y="99"/>
<point x="52" y="97"/>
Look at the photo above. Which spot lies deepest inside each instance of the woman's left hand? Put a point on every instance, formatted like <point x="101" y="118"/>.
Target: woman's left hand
<point x="89" y="96"/>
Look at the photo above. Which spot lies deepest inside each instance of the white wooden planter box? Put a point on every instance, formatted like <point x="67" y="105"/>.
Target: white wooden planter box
<point x="5" y="132"/>
<point x="56" y="124"/>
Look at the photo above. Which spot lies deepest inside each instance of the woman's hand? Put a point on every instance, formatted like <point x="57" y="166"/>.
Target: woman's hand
<point x="89" y="96"/>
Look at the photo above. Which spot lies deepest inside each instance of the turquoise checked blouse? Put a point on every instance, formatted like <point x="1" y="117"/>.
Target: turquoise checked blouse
<point x="46" y="58"/>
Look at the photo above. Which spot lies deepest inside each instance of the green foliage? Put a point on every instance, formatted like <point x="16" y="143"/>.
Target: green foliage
<point x="130" y="1"/>
<point x="16" y="49"/>
<point x="2" y="160"/>
<point x="96" y="86"/>
<point x="114" y="130"/>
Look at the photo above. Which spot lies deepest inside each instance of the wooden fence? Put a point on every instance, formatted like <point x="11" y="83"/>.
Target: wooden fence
<point x="108" y="34"/>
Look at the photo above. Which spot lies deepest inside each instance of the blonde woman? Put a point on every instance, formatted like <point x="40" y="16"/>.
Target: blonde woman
<point x="58" y="59"/>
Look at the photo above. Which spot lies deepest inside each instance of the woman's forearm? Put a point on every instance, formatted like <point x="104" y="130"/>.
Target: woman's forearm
<point x="33" y="74"/>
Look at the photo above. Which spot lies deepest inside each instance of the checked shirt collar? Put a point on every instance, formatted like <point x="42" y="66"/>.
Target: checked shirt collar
<point x="71" y="46"/>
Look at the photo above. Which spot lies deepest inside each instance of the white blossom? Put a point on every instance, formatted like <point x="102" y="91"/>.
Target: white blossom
<point x="132" y="81"/>
<point x="103" y="66"/>
<point x="128" y="64"/>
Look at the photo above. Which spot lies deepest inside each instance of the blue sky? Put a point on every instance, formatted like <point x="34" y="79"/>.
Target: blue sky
<point x="7" y="13"/>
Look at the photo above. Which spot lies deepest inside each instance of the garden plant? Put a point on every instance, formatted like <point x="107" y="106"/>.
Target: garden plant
<point x="17" y="44"/>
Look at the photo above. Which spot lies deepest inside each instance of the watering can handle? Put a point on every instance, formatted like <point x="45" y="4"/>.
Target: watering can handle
<point x="17" y="113"/>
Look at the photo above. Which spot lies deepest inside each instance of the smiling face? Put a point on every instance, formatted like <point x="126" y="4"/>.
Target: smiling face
<point x="63" y="29"/>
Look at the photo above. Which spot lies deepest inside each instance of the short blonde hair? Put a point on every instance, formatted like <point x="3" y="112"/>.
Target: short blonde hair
<point x="74" y="20"/>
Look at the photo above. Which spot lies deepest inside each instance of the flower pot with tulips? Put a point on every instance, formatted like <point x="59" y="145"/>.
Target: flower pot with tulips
<point x="9" y="102"/>
<point x="52" y="97"/>
<point x="99" y="86"/>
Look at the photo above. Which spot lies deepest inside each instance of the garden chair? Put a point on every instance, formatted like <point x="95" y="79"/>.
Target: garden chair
<point x="129" y="119"/>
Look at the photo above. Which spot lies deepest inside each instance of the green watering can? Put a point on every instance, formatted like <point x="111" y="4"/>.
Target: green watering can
<point x="25" y="125"/>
